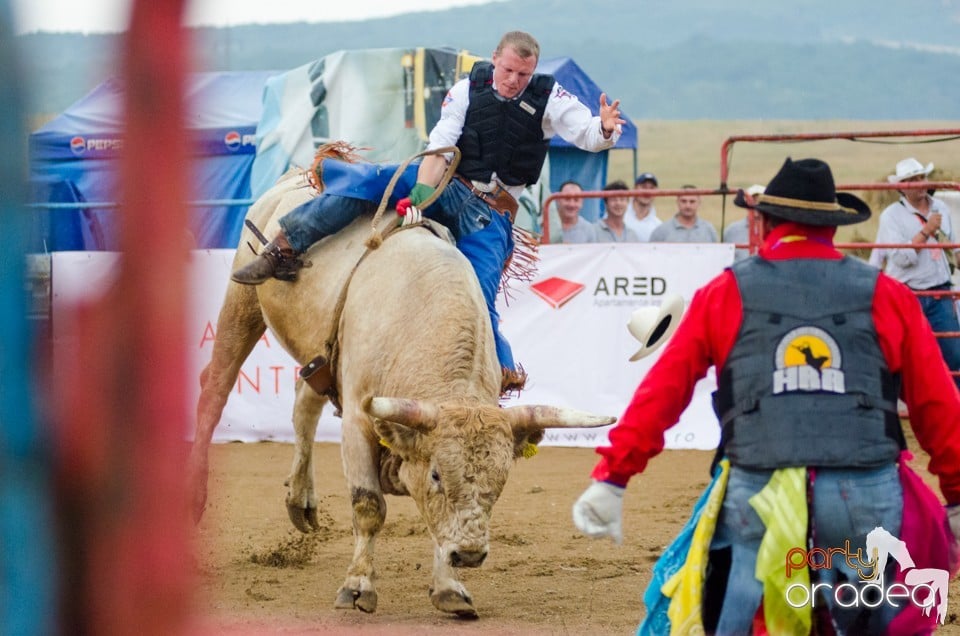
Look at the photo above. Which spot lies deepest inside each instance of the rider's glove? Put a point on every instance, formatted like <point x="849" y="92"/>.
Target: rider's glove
<point x="403" y="206"/>
<point x="420" y="193"/>
<point x="409" y="207"/>
<point x="412" y="216"/>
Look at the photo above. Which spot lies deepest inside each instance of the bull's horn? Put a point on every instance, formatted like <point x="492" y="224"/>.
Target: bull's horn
<point x="527" y="417"/>
<point x="416" y="414"/>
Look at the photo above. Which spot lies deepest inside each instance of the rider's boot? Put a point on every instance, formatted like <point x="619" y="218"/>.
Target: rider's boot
<point x="276" y="260"/>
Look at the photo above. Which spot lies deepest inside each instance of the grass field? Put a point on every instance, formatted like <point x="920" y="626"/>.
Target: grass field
<point x="681" y="152"/>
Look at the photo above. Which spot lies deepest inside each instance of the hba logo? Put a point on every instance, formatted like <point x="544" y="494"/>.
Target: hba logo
<point x="808" y="359"/>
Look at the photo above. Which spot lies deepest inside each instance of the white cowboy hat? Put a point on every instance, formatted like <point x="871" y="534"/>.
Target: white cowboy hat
<point x="909" y="168"/>
<point x="653" y="326"/>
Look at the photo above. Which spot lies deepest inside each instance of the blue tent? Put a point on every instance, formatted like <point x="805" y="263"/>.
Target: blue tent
<point x="73" y="159"/>
<point x="236" y="117"/>
<point x="569" y="163"/>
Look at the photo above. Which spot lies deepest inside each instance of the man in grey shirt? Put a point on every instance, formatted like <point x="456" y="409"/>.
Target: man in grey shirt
<point x="739" y="231"/>
<point x="685" y="226"/>
<point x="611" y="228"/>
<point x="573" y="227"/>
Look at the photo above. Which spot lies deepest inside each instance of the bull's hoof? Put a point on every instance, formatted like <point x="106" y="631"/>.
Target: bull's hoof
<point x="197" y="487"/>
<point x="365" y="601"/>
<point x="455" y="603"/>
<point x="198" y="505"/>
<point x="303" y="519"/>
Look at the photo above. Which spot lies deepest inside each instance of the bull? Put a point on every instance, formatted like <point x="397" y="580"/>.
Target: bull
<point x="416" y="377"/>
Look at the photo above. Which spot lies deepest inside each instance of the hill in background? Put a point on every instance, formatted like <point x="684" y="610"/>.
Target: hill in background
<point x="689" y="59"/>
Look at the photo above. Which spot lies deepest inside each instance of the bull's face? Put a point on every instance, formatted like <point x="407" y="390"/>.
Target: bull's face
<point x="455" y="472"/>
<point x="456" y="460"/>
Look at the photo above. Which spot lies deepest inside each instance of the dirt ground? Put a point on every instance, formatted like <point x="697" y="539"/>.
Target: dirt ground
<point x="257" y="574"/>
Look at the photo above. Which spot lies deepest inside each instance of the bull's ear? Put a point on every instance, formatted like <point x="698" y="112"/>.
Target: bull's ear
<point x="417" y="414"/>
<point x="400" y="421"/>
<point x="401" y="440"/>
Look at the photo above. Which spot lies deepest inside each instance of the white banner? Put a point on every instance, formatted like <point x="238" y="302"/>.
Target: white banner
<point x="567" y="328"/>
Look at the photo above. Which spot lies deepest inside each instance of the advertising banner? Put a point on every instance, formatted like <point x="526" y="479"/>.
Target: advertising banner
<point x="567" y="326"/>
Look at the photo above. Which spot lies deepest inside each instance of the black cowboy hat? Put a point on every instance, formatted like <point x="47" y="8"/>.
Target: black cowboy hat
<point x="804" y="192"/>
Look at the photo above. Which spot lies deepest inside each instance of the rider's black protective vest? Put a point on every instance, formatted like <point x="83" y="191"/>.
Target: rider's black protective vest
<point x="504" y="136"/>
<point x="806" y="383"/>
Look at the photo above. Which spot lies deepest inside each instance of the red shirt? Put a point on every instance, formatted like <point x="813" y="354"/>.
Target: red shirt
<point x="702" y="340"/>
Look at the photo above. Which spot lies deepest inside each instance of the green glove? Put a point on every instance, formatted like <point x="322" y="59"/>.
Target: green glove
<point x="420" y="193"/>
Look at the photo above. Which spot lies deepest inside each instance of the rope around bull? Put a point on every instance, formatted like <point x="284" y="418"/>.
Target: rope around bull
<point x="376" y="237"/>
<point x="376" y="240"/>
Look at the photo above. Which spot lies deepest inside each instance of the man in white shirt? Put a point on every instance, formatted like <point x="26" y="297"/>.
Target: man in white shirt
<point x="641" y="216"/>
<point x="921" y="219"/>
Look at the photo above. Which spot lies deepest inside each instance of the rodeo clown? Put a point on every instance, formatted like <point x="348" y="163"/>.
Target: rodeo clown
<point x="812" y="349"/>
<point x="501" y="118"/>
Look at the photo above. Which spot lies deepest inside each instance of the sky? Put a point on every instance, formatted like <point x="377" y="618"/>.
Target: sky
<point x="98" y="16"/>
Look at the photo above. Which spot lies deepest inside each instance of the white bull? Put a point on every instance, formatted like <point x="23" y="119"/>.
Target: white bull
<point x="418" y="380"/>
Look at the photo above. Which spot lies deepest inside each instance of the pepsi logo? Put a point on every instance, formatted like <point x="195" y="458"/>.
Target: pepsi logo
<point x="232" y="140"/>
<point x="78" y="145"/>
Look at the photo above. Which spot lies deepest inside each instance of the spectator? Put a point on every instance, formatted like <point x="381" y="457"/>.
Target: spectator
<point x="811" y="455"/>
<point x="685" y="226"/>
<point x="920" y="219"/>
<point x="878" y="258"/>
<point x="641" y="216"/>
<point x="573" y="227"/>
<point x="611" y="229"/>
<point x="739" y="231"/>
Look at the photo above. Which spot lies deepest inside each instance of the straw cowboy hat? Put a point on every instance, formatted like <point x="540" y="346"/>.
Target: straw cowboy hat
<point x="748" y="198"/>
<point x="804" y="191"/>
<point x="653" y="326"/>
<point x="909" y="168"/>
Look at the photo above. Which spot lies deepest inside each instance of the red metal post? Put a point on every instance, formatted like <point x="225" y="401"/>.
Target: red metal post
<point x="122" y="409"/>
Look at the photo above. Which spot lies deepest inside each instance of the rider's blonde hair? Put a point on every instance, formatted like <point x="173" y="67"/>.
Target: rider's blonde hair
<point x="520" y="41"/>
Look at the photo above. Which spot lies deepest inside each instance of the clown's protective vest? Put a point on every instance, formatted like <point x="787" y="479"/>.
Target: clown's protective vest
<point x="504" y="136"/>
<point x="806" y="383"/>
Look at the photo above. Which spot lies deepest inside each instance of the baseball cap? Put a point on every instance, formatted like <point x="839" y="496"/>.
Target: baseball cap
<point x="646" y="176"/>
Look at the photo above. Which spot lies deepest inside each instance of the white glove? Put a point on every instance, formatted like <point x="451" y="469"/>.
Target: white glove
<point x="953" y="516"/>
<point x="412" y="216"/>
<point x="599" y="511"/>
